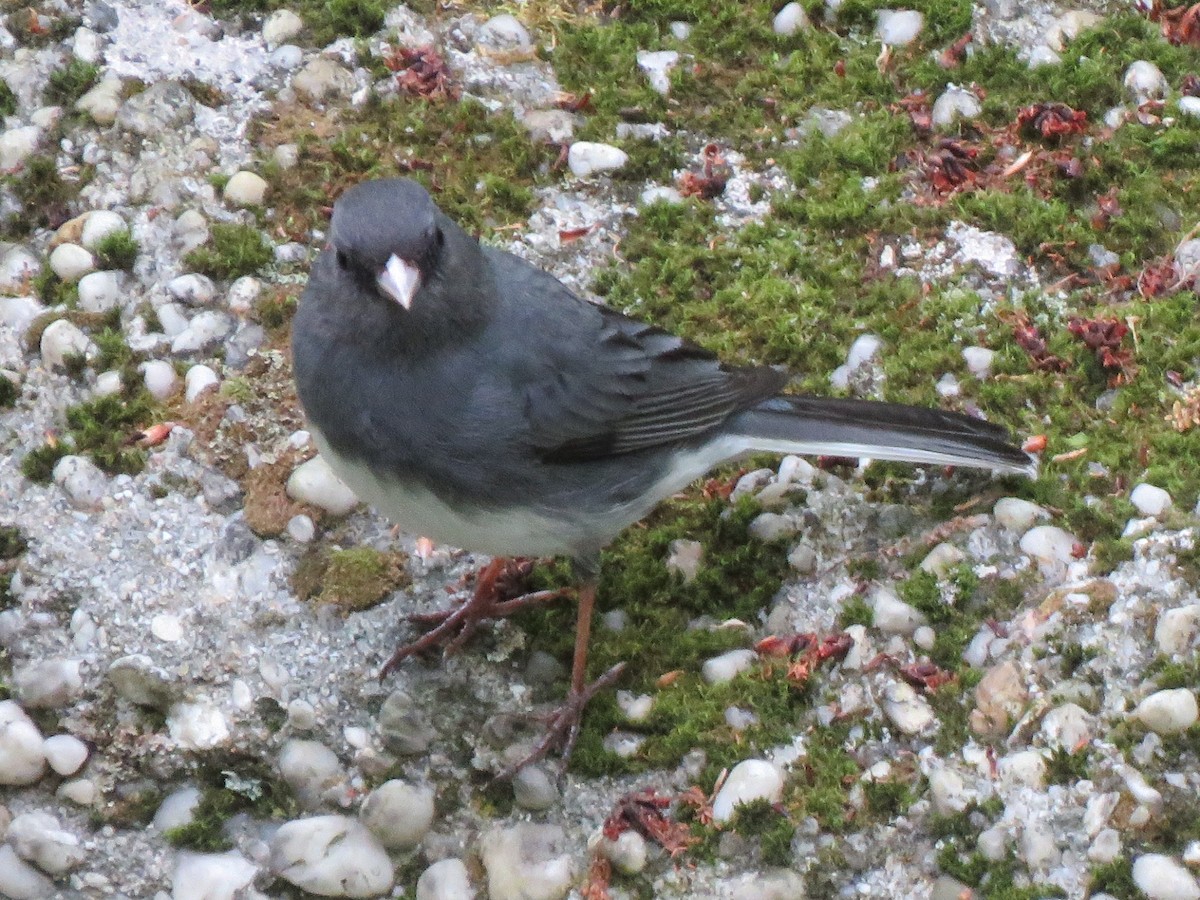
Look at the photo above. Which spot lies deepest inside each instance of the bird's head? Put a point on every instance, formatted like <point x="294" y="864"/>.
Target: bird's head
<point x="387" y="233"/>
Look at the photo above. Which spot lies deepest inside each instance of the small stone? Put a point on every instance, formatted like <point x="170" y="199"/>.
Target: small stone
<point x="1105" y="847"/>
<point x="17" y="266"/>
<point x="49" y="683"/>
<point x="192" y="289"/>
<point x="635" y="707"/>
<point x="941" y="559"/>
<point x="1017" y="515"/>
<point x="803" y="559"/>
<point x="190" y="230"/>
<point x="658" y="193"/>
<point x="549" y="126"/>
<point x="953" y="104"/>
<point x="83" y="483"/>
<point x="1189" y="106"/>
<point x="627" y="852"/>
<point x="166" y="627"/>
<point x="205" y="329"/>
<point x="99" y="291"/>
<point x="993" y="844"/>
<point x="160" y="378"/>
<point x="1038" y="847"/>
<point x="533" y="789"/>
<point x="1024" y="768"/>
<point x="402" y="727"/>
<point x="163" y="107"/>
<point x="323" y="80"/>
<point x="892" y="615"/>
<point x="102" y="102"/>
<point x="245" y="189"/>
<point x="197" y="726"/>
<point x="398" y="813"/>
<point x="281" y="26"/>
<point x="1000" y="698"/>
<point x="177" y="809"/>
<point x="312" y="770"/>
<point x="727" y="666"/>
<point x="211" y="876"/>
<point x="286" y="156"/>
<point x="70" y="262"/>
<point x="979" y="360"/>
<point x="749" y="780"/>
<point x="898" y="27"/>
<point x="924" y="637"/>
<point x="1168" y="712"/>
<point x="334" y="856"/>
<point x="301" y="715"/>
<point x="80" y="791"/>
<point x="948" y="791"/>
<point x="243" y="294"/>
<point x="22" y="754"/>
<point x="98" y="225"/>
<point x="17" y="145"/>
<point x="198" y="380"/>
<point x="504" y="32"/>
<point x="527" y="862"/>
<point x="138" y="680"/>
<point x="1160" y="877"/>
<point x="624" y="744"/>
<point x="301" y="529"/>
<point x="1150" y="500"/>
<point x="1041" y="55"/>
<point x="315" y="483"/>
<point x="771" y="526"/>
<point x="1175" y="628"/>
<point x="789" y="20"/>
<point x="62" y="340"/>
<point x="656" y="65"/>
<point x="42" y="840"/>
<point x="947" y="888"/>
<point x="947" y="386"/>
<point x="1067" y="727"/>
<point x="587" y="158"/>
<point x="1145" y="81"/>
<point x="684" y="557"/>
<point x="1052" y="547"/>
<point x="681" y="31"/>
<point x="907" y="710"/>
<point x="1070" y="25"/>
<point x="65" y="753"/>
<point x="446" y="879"/>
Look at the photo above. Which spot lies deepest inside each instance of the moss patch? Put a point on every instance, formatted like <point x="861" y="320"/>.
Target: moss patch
<point x="233" y="250"/>
<point x="352" y="580"/>
<point x="117" y="250"/>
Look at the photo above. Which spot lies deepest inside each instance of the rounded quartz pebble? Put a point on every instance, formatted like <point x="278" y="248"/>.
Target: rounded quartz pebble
<point x="70" y="262"/>
<point x="19" y="879"/>
<point x="83" y="483"/>
<point x="98" y="225"/>
<point x="315" y="483"/>
<point x="1050" y="545"/>
<point x="954" y="103"/>
<point x="533" y="789"/>
<point x="979" y="360"/>
<point x="898" y="27"/>
<point x="334" y="856"/>
<point x="243" y="294"/>
<point x="80" y="791"/>
<point x="280" y="27"/>
<point x="204" y="330"/>
<point x="160" y="378"/>
<point x="723" y="668"/>
<point x="504" y="32"/>
<point x="200" y="876"/>
<point x="892" y="615"/>
<point x="65" y="753"/>
<point x="906" y="709"/>
<point x="789" y="20"/>
<point x="99" y="291"/>
<point x="749" y="780"/>
<point x="245" y="189"/>
<point x="177" y="809"/>
<point x="1150" y="500"/>
<point x="587" y="158"/>
<point x="398" y="813"/>
<point x="198" y="380"/>
<point x="627" y="852"/>
<point x="311" y="769"/>
<point x="526" y="860"/>
<point x="1169" y="711"/>
<point x="1176" y="627"/>
<point x="446" y="879"/>
<point x="635" y="707"/>
<point x="63" y="340"/>
<point x="941" y="559"/>
<point x="42" y="840"/>
<point x="301" y="529"/>
<point x="192" y="289"/>
<point x="1145" y="81"/>
<point x="1160" y="877"/>
<point x="301" y="715"/>
<point x="1017" y="515"/>
<point x="22" y="750"/>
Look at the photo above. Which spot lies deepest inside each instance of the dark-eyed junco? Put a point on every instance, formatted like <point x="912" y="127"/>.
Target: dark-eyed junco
<point x="474" y="399"/>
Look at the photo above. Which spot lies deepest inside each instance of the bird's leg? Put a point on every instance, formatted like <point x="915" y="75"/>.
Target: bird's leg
<point x="563" y="728"/>
<point x="453" y="627"/>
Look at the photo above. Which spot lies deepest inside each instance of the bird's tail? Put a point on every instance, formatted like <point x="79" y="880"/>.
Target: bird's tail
<point x="860" y="428"/>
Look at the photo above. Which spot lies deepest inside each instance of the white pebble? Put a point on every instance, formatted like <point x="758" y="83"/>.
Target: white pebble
<point x="684" y="556"/>
<point x="1168" y="712"/>
<point x="160" y="378"/>
<point x="18" y="313"/>
<point x="1176" y="627"/>
<point x="892" y="615"/>
<point x="658" y="193"/>
<point x="1017" y="515"/>
<point x="192" y="289"/>
<point x="627" y="853"/>
<point x="925" y="637"/>
<point x="1067" y="727"/>
<point x="17" y="145"/>
<point x="301" y="528"/>
<point x="280" y="27"/>
<point x="770" y="526"/>
<point x="789" y="20"/>
<point x="749" y="780"/>
<point x="398" y="813"/>
<point x="198" y="380"/>
<point x="979" y="360"/>
<point x="83" y="483"/>
<point x="190" y="230"/>
<point x="334" y="856"/>
<point x="1190" y="106"/>
<point x="65" y="753"/>
<point x="723" y="668"/>
<point x="243" y="294"/>
<point x="103" y="101"/>
<point x="1041" y="55"/>
<point x="1105" y="847"/>
<point x="205" y="329"/>
<point x="42" y="840"/>
<point x="1145" y="81"/>
<point x="623" y="743"/>
<point x="898" y="27"/>
<point x="1160" y="877"/>
<point x="99" y="291"/>
<point x="1052" y="547"/>
<point x="534" y="789"/>
<point x="177" y="809"/>
<point x="22" y="754"/>
<point x="312" y="770"/>
<point x="166" y="627"/>
<point x="635" y="707"/>
<point x="301" y="715"/>
<point x="70" y="262"/>
<point x="656" y="65"/>
<point x="1024" y="768"/>
<point x="315" y="483"/>
<point x="907" y="710"/>
<point x="172" y="318"/>
<point x="864" y="349"/>
<point x="211" y="876"/>
<point x="947" y="386"/>
<point x="1150" y="500"/>
<point x="527" y="861"/>
<point x="80" y="791"/>
<point x="953" y="104"/>
<point x="245" y="189"/>
<point x="197" y="726"/>
<point x="61" y="340"/>
<point x="446" y="879"/>
<point x="21" y="881"/>
<point x="681" y="31"/>
<point x="587" y="158"/>
<point x="98" y="225"/>
<point x="941" y="559"/>
<point x="504" y="32"/>
<point x="948" y="791"/>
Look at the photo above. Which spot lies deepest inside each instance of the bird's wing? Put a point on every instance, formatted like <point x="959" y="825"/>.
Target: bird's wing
<point x="626" y="386"/>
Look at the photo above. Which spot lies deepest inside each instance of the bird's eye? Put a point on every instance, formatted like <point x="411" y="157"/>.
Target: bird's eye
<point x="342" y="261"/>
<point x="441" y="238"/>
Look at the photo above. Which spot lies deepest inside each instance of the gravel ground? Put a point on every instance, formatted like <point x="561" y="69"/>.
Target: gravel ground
<point x="155" y="649"/>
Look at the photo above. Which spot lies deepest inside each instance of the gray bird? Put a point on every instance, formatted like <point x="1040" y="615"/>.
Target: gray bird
<point x="475" y="400"/>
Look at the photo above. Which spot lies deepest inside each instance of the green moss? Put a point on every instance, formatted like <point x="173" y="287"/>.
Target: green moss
<point x="233" y="250"/>
<point x="38" y="464"/>
<point x="117" y="250"/>
<point x="771" y="826"/>
<point x="32" y="29"/>
<point x="275" y="309"/>
<point x="10" y="391"/>
<point x="101" y="429"/>
<point x="1115" y="878"/>
<point x="324" y="22"/>
<point x="353" y="580"/>
<point x="8" y="100"/>
<point x="45" y="197"/>
<point x="68" y="84"/>
<point x="856" y="611"/>
<point x="52" y="290"/>
<point x="231" y="783"/>
<point x="12" y="542"/>
<point x="1065" y="767"/>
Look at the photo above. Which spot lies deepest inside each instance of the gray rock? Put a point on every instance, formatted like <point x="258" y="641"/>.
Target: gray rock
<point x="333" y="856"/>
<point x="527" y="862"/>
<point x="505" y="33"/>
<point x="313" y="772"/>
<point x="42" y="840"/>
<point x="21" y="881"/>
<point x="323" y="80"/>
<point x="193" y="289"/>
<point x="446" y="879"/>
<point x="22" y="754"/>
<point x="212" y="876"/>
<point x="402" y="727"/>
<point x="102" y="102"/>
<point x="549" y="126"/>
<point x="162" y="107"/>
<point x="534" y="789"/>
<point x="399" y="814"/>
<point x="281" y="26"/>
<point x="49" y="683"/>
<point x="137" y="679"/>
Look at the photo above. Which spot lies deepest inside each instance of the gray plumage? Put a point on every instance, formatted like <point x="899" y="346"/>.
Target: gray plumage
<point x="504" y="414"/>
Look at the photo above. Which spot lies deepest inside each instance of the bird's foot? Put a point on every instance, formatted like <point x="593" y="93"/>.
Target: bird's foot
<point x="491" y="599"/>
<point x="562" y="727"/>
